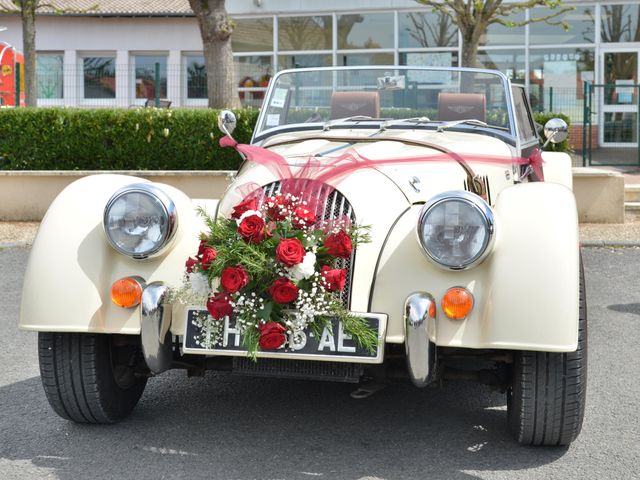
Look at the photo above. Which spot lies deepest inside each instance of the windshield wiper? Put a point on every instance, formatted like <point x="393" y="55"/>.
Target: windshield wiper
<point x="357" y="118"/>
<point x="470" y="121"/>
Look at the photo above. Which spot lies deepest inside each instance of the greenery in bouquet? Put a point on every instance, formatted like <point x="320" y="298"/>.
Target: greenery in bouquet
<point x="272" y="269"/>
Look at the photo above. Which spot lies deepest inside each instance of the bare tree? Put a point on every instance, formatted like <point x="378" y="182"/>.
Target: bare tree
<point x="473" y="18"/>
<point x="427" y="33"/>
<point x="216" y="28"/>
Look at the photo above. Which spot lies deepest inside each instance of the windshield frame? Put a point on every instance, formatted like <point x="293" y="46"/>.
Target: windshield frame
<point x="266" y="133"/>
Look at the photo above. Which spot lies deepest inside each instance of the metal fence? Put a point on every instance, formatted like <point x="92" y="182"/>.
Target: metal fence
<point x="611" y="128"/>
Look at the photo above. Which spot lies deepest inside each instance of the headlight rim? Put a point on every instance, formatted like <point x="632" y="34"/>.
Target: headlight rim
<point x="169" y="210"/>
<point x="476" y="202"/>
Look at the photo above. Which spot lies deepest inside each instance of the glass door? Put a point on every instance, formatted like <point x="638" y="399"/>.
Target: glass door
<point x="618" y="99"/>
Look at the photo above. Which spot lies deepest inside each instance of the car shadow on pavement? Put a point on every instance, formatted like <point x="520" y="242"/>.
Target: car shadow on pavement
<point x="626" y="308"/>
<point x="232" y="427"/>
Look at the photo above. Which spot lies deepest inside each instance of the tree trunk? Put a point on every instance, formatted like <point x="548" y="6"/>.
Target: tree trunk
<point x="470" y="40"/>
<point x="28" y="14"/>
<point x="216" y="28"/>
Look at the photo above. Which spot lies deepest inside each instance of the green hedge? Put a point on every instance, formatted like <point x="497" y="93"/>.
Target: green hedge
<point x="544" y="117"/>
<point x="130" y="139"/>
<point x="117" y="139"/>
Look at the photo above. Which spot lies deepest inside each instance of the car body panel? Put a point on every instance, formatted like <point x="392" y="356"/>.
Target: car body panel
<point x="72" y="266"/>
<point x="517" y="305"/>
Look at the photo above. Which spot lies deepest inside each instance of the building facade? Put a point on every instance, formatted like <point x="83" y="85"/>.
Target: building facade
<point x="123" y="55"/>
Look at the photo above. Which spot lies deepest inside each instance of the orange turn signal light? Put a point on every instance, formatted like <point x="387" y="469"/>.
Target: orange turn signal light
<point x="127" y="292"/>
<point x="457" y="302"/>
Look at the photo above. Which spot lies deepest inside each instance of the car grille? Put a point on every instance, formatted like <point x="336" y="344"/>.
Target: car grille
<point x="329" y="204"/>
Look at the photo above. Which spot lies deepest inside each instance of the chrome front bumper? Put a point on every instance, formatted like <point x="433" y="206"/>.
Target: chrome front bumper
<point x="419" y="317"/>
<point x="155" y="323"/>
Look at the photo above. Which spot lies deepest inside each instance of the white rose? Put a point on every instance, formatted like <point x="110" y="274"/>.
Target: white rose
<point x="305" y="269"/>
<point x="199" y="284"/>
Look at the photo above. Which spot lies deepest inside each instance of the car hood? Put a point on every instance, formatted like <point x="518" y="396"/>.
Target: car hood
<point x="381" y="191"/>
<point x="429" y="171"/>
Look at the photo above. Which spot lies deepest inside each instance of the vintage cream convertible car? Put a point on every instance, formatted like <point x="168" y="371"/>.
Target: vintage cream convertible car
<point x="472" y="271"/>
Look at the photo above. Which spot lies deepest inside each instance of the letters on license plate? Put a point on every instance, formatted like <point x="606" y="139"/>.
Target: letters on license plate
<point x="334" y="344"/>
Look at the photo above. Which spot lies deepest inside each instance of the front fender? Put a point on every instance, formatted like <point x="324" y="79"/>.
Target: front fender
<point x="72" y="266"/>
<point x="526" y="292"/>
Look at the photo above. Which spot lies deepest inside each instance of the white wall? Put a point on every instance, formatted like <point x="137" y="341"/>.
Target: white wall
<point x="107" y="33"/>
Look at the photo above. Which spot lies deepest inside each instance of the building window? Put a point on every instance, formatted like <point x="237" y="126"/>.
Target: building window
<point x="620" y="23"/>
<point x="580" y="21"/>
<point x="429" y="59"/>
<point x="556" y="79"/>
<point x="253" y="73"/>
<point x="305" y="33"/>
<point x="502" y="35"/>
<point x="509" y="62"/>
<point x="49" y="75"/>
<point x="365" y="58"/>
<point x="99" y="77"/>
<point x="252" y="35"/>
<point x="196" y="76"/>
<point x="372" y="30"/>
<point x="426" y="29"/>
<point x="304" y="61"/>
<point x="145" y="76"/>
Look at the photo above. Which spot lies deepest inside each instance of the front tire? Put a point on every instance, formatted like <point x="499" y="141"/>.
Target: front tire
<point x="546" y="400"/>
<point x="89" y="378"/>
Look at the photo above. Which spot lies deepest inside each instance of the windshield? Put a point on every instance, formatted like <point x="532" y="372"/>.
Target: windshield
<point x="309" y="97"/>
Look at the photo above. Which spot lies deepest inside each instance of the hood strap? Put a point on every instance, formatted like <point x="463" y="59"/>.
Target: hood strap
<point x="474" y="181"/>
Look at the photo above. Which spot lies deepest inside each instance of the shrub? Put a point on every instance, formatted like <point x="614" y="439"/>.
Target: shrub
<point x="544" y="117"/>
<point x="117" y="139"/>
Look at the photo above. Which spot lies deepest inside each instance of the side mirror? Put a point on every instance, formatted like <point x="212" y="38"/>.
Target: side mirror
<point x="227" y="122"/>
<point x="556" y="131"/>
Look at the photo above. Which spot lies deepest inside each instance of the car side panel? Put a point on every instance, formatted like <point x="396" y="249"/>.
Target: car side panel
<point x="72" y="266"/>
<point x="525" y="292"/>
<point x="557" y="168"/>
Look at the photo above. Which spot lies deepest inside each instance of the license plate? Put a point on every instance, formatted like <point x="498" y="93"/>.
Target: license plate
<point x="333" y="345"/>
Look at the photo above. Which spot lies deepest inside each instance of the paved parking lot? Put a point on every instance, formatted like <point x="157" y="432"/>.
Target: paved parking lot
<point x="223" y="427"/>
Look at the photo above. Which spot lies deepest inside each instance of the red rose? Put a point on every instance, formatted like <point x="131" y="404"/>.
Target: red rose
<point x="277" y="207"/>
<point x="283" y="290"/>
<point x="251" y="229"/>
<point x="334" y="278"/>
<point x="233" y="279"/>
<point x="338" y="244"/>
<point x="247" y="204"/>
<point x="290" y="251"/>
<point x="190" y="263"/>
<point x="303" y="217"/>
<point x="219" y="306"/>
<point x="201" y="248"/>
<point x="208" y="256"/>
<point x="272" y="335"/>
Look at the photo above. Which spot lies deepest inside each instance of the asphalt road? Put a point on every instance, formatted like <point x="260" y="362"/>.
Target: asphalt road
<point x="224" y="427"/>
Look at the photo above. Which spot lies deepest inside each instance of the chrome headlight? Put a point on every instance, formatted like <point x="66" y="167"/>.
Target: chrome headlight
<point x="140" y="220"/>
<point x="456" y="229"/>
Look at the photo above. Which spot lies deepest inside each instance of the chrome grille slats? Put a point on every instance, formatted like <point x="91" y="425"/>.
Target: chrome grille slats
<point x="335" y="205"/>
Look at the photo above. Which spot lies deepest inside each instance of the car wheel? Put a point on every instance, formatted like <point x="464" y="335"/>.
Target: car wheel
<point x="545" y="402"/>
<point x="89" y="378"/>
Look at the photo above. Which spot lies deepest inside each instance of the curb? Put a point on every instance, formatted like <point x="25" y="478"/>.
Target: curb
<point x="15" y="245"/>
<point x="610" y="243"/>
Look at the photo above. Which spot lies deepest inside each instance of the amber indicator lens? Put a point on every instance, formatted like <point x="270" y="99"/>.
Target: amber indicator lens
<point x="457" y="303"/>
<point x="126" y="292"/>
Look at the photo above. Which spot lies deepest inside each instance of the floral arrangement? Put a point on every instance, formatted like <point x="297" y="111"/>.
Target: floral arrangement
<point x="271" y="268"/>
